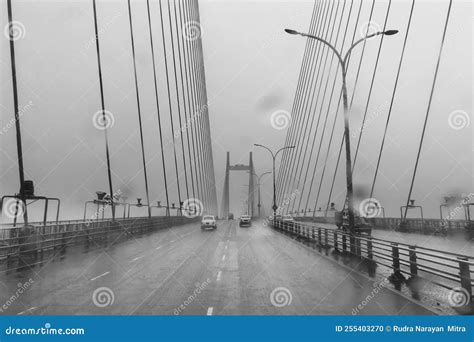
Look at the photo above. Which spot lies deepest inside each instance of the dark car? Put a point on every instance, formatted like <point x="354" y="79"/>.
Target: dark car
<point x="230" y="216"/>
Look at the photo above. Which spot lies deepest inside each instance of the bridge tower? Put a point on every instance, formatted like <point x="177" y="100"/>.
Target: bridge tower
<point x="251" y="189"/>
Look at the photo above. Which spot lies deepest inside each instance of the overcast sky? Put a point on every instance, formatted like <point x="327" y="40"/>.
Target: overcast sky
<point x="252" y="69"/>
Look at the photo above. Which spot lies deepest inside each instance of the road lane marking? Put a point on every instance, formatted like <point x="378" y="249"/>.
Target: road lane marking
<point x="157" y="248"/>
<point x="137" y="258"/>
<point x="219" y="275"/>
<point x="209" y="311"/>
<point x="30" y="309"/>
<point x="223" y="257"/>
<point x="99" y="276"/>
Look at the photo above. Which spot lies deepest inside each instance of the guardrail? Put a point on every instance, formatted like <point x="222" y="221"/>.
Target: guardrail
<point x="415" y="225"/>
<point x="37" y="237"/>
<point x="446" y="269"/>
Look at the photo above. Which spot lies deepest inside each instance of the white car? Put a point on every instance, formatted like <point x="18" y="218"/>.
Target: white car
<point x="208" y="222"/>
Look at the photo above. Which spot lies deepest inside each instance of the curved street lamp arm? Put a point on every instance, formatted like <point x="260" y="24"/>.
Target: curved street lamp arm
<point x="346" y="56"/>
<point x="266" y="149"/>
<point x="283" y="148"/>
<point x="263" y="174"/>
<point x="339" y="57"/>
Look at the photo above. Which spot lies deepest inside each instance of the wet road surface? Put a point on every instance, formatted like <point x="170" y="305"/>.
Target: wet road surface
<point x="186" y="271"/>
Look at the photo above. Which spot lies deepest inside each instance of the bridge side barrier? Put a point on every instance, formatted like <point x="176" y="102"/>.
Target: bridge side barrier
<point x="422" y="226"/>
<point x="39" y="237"/>
<point x="446" y="269"/>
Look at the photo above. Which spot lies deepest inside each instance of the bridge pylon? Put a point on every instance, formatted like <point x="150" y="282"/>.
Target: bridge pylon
<point x="251" y="189"/>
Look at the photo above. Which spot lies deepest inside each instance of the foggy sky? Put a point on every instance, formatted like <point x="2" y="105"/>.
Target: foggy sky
<point x="252" y="71"/>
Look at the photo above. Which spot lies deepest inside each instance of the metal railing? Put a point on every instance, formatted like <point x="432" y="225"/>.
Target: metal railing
<point x="37" y="237"/>
<point x="442" y="268"/>
<point x="414" y="224"/>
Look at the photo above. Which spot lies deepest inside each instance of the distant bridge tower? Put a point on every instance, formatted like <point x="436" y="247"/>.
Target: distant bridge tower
<point x="251" y="191"/>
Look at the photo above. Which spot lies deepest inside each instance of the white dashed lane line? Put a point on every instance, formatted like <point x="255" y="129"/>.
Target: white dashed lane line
<point x="209" y="311"/>
<point x="137" y="258"/>
<point x="29" y="310"/>
<point x="99" y="276"/>
<point x="223" y="257"/>
<point x="219" y="275"/>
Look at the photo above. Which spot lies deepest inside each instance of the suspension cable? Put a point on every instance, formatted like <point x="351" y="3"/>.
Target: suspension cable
<point x="337" y="112"/>
<point x="158" y="107"/>
<point x="178" y="100"/>
<point x="16" y="109"/>
<point x="371" y="85"/>
<point x="429" y="107"/>
<point x="102" y="101"/>
<point x="304" y="64"/>
<point x="316" y="48"/>
<point x="328" y="51"/>
<point x="191" y="100"/>
<point x="138" y="107"/>
<point x="321" y="108"/>
<point x="207" y="121"/>
<point x="393" y="98"/>
<point x="169" y="99"/>
<point x="187" y="120"/>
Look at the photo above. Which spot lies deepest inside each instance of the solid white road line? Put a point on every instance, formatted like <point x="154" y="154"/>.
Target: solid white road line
<point x="99" y="276"/>
<point x="209" y="311"/>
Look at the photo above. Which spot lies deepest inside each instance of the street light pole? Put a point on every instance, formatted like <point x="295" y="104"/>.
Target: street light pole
<point x="274" y="155"/>
<point x="343" y="63"/>
<point x="258" y="185"/>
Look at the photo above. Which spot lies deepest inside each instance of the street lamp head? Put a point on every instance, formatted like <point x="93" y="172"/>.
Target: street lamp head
<point x="390" y="32"/>
<point x="289" y="31"/>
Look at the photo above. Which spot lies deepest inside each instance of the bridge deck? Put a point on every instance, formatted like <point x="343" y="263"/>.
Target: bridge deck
<point x="184" y="270"/>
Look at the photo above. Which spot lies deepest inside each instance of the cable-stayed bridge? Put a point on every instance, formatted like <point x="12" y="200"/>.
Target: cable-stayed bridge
<point x="138" y="174"/>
